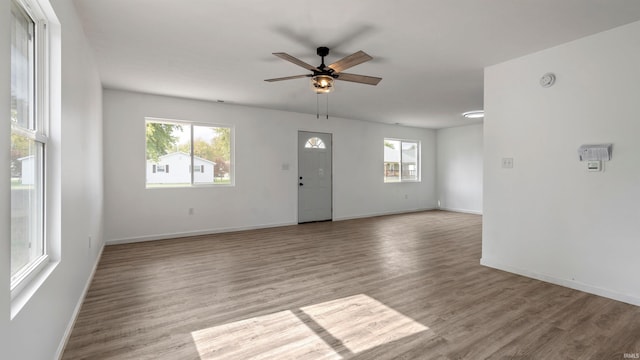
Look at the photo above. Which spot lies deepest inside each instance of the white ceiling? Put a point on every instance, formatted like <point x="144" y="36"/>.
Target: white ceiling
<point x="430" y="53"/>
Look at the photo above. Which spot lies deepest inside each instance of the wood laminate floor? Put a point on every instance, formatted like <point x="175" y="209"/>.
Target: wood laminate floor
<point x="395" y="287"/>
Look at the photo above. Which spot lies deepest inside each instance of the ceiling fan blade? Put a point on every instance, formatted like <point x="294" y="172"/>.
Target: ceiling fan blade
<point x="288" y="78"/>
<point x="295" y="60"/>
<point x="350" y="61"/>
<point x="362" y="79"/>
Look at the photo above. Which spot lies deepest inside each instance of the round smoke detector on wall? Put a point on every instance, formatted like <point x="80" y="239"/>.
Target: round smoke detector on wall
<point x="547" y="80"/>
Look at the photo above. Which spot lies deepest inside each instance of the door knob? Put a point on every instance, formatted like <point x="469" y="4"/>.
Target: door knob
<point x="301" y="184"/>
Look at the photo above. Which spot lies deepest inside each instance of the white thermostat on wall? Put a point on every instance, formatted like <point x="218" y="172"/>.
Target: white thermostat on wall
<point x="594" y="165"/>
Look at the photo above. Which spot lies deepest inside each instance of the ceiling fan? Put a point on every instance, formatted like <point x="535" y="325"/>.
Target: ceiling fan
<point x="323" y="75"/>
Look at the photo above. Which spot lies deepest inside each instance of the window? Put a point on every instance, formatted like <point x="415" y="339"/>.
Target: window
<point x="401" y="160"/>
<point x="159" y="168"/>
<point x="196" y="154"/>
<point x="198" y="168"/>
<point x="315" y="143"/>
<point x="28" y="145"/>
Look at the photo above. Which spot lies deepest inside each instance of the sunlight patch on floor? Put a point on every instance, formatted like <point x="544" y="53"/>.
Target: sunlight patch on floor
<point x="344" y="326"/>
<point x="361" y="322"/>
<point x="275" y="336"/>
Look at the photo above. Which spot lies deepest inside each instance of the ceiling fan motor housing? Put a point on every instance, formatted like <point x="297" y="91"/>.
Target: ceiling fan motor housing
<point x="322" y="51"/>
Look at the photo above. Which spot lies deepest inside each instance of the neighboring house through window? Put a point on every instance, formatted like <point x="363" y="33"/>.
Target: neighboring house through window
<point x="181" y="153"/>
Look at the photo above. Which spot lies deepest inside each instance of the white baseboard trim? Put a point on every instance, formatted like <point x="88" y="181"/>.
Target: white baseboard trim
<point x="466" y="211"/>
<point x="192" y="233"/>
<point x="576" y="285"/>
<point x="361" y="216"/>
<point x="175" y="235"/>
<point x="76" y="311"/>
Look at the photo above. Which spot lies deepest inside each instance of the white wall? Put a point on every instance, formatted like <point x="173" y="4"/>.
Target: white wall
<point x="548" y="217"/>
<point x="459" y="168"/>
<point x="264" y="194"/>
<point x="75" y="191"/>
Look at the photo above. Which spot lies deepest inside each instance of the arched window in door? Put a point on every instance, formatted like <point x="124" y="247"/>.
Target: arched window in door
<point x="315" y="143"/>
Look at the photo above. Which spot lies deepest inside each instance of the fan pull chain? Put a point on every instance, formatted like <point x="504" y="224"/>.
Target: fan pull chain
<point x="318" y="106"/>
<point x="327" y="106"/>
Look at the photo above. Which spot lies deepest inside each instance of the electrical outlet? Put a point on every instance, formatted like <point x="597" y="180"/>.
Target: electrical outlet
<point x="90" y="241"/>
<point x="406" y="196"/>
<point x="191" y="211"/>
<point x="507" y="163"/>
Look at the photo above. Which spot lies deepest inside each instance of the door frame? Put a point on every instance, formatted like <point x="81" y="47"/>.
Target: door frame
<point x="298" y="175"/>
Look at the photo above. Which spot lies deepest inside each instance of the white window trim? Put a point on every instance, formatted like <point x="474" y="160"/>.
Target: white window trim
<point x="418" y="161"/>
<point x="47" y="105"/>
<point x="24" y="276"/>
<point x="38" y="134"/>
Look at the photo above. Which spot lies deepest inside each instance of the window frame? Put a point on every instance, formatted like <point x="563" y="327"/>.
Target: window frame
<point x="401" y="162"/>
<point x="37" y="131"/>
<point x="193" y="184"/>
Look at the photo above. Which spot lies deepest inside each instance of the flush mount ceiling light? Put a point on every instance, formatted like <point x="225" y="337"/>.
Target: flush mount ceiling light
<point x="322" y="84"/>
<point x="475" y="114"/>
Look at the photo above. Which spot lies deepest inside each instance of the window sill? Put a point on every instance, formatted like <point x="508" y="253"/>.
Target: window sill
<point x="403" y="182"/>
<point x="23" y="292"/>
<point x="194" y="186"/>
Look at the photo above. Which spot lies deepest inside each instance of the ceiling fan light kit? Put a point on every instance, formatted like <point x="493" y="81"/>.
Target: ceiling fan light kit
<point x="322" y="84"/>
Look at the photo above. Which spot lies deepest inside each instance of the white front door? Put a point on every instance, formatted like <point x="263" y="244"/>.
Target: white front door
<point x="314" y="177"/>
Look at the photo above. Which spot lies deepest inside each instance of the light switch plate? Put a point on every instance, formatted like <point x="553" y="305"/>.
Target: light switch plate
<point x="507" y="163"/>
